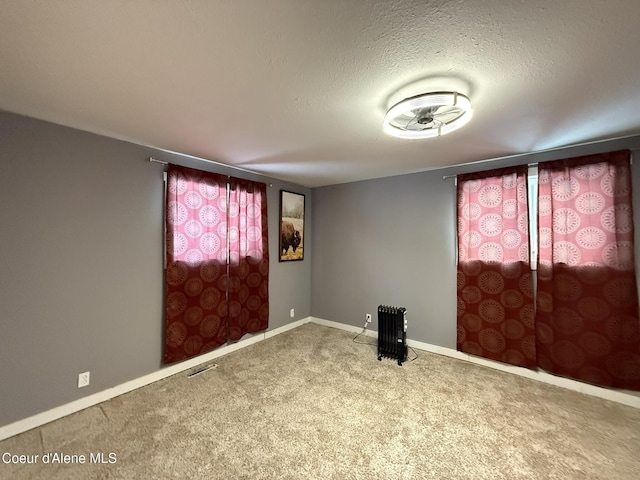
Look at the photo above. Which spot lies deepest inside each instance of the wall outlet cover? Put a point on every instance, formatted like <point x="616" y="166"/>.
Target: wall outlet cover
<point x="83" y="379"/>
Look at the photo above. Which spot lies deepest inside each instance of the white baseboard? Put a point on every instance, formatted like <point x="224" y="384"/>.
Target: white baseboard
<point x="286" y="328"/>
<point x="342" y="326"/>
<point x="67" y="409"/>
<point x="630" y="399"/>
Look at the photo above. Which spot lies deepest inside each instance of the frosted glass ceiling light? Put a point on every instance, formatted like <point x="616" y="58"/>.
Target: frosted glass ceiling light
<point x="428" y="115"/>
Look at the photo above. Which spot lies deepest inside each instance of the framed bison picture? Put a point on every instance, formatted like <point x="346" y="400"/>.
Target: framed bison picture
<point x="291" y="226"/>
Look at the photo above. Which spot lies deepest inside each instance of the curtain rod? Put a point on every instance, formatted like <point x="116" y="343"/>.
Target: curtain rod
<point x="444" y="177"/>
<point x="153" y="160"/>
<point x="200" y="159"/>
<point x="575" y="145"/>
<point x="161" y="162"/>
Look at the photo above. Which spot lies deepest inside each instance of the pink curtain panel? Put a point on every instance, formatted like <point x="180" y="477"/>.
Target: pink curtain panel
<point x="587" y="304"/>
<point x="495" y="316"/>
<point x="214" y="245"/>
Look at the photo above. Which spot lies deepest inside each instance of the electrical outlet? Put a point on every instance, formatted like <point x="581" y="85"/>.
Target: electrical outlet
<point x="368" y="318"/>
<point x="83" y="379"/>
<point x="292" y="313"/>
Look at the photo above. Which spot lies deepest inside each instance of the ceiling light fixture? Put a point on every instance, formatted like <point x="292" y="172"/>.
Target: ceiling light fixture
<point x="428" y="115"/>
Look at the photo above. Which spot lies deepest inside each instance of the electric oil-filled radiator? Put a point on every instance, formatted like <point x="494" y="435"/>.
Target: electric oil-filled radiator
<point x="392" y="333"/>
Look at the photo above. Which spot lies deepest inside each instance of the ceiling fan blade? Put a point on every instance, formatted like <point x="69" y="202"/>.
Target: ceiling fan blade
<point x="413" y="124"/>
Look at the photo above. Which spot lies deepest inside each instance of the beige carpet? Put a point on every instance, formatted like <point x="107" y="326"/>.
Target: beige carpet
<point x="311" y="403"/>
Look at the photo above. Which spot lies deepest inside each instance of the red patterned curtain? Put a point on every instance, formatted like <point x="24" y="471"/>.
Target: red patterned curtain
<point x="587" y="304"/>
<point x="196" y="306"/>
<point x="217" y="261"/>
<point x="495" y="287"/>
<point x="248" y="258"/>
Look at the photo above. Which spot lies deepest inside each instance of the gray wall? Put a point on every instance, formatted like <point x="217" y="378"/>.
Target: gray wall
<point x="387" y="241"/>
<point x="392" y="241"/>
<point x="81" y="279"/>
<point x="81" y="257"/>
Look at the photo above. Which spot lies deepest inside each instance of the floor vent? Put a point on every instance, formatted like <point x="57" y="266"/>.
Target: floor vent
<point x="203" y="369"/>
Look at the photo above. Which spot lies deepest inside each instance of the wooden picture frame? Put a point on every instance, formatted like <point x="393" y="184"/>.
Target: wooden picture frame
<point x="291" y="226"/>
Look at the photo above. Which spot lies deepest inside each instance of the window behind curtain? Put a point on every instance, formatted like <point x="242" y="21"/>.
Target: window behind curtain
<point x="495" y="287"/>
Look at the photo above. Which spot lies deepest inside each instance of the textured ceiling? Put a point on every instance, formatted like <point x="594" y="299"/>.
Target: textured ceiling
<point x="297" y="89"/>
